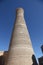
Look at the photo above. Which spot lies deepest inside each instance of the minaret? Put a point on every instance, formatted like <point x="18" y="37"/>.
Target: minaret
<point x="20" y="50"/>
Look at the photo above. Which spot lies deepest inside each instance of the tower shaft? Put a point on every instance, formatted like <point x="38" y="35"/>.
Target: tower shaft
<point x="20" y="50"/>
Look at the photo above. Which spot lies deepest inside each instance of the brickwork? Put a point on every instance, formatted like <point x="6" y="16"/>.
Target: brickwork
<point x="20" y="49"/>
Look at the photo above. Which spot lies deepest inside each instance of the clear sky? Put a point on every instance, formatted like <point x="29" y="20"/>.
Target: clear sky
<point x="34" y="20"/>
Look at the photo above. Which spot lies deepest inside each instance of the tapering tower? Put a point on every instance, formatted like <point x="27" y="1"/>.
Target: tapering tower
<point x="20" y="50"/>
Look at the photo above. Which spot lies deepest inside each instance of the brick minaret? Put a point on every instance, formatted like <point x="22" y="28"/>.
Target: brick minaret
<point x="20" y="50"/>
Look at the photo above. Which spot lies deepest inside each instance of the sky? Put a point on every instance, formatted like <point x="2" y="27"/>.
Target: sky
<point x="34" y="20"/>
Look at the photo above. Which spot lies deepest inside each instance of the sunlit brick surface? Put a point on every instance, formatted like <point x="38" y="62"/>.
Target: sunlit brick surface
<point x="20" y="49"/>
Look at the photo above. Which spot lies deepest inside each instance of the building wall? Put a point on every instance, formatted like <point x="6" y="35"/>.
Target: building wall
<point x="3" y="57"/>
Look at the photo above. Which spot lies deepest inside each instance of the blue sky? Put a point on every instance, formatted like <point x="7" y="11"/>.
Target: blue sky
<point x="34" y="21"/>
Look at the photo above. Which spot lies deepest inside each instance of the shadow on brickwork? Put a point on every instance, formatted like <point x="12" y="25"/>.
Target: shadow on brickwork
<point x="3" y="58"/>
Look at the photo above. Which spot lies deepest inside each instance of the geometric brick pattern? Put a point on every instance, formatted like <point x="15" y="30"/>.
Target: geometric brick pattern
<point x="20" y="48"/>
